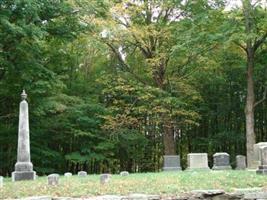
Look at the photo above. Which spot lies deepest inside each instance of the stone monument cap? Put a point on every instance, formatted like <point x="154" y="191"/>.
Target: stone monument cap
<point x="220" y="154"/>
<point x="23" y="95"/>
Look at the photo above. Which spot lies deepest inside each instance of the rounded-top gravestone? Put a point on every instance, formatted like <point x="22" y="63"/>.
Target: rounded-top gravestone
<point x="124" y="173"/>
<point x="105" y="178"/>
<point x="82" y="173"/>
<point x="53" y="179"/>
<point x="221" y="161"/>
<point x="68" y="174"/>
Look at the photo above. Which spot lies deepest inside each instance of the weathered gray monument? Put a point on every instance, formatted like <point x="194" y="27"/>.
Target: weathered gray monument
<point x="221" y="161"/>
<point x="257" y="154"/>
<point x="53" y="179"/>
<point x="171" y="163"/>
<point x="68" y="174"/>
<point x="124" y="173"/>
<point x="82" y="173"/>
<point x="105" y="178"/>
<point x="23" y="167"/>
<point x="263" y="165"/>
<point x="197" y="161"/>
<point x="241" y="162"/>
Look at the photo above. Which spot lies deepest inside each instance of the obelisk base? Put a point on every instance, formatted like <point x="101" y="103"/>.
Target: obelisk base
<point x="21" y="176"/>
<point x="23" y="171"/>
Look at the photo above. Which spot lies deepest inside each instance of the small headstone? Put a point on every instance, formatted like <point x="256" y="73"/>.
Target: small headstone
<point x="53" y="179"/>
<point x="197" y="161"/>
<point x="262" y="169"/>
<point x="68" y="174"/>
<point x="171" y="163"/>
<point x="257" y="154"/>
<point x="82" y="173"/>
<point x="221" y="161"/>
<point x="241" y="162"/>
<point x="105" y="178"/>
<point x="124" y="173"/>
<point x="1" y="181"/>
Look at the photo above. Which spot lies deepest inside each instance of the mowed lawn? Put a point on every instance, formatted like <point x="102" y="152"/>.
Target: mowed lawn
<point x="163" y="183"/>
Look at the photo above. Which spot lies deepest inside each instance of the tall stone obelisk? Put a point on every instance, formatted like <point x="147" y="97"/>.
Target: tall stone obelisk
<point x="23" y="167"/>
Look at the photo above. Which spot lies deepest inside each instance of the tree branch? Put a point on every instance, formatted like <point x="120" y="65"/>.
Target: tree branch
<point x="241" y="46"/>
<point x="260" y="41"/>
<point x="125" y="66"/>
<point x="263" y="98"/>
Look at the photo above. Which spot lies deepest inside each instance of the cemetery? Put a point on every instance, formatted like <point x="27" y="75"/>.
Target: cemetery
<point x="133" y="99"/>
<point x="170" y="182"/>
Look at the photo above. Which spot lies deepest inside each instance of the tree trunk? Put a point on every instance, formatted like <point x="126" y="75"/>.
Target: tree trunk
<point x="249" y="109"/>
<point x="168" y="140"/>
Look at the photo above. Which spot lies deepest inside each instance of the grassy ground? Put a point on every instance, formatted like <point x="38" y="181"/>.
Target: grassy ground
<point x="164" y="183"/>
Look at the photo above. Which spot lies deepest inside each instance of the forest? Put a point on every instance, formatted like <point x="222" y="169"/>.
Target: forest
<point x="116" y="84"/>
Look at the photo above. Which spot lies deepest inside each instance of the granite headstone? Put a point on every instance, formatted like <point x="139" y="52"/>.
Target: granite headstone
<point x="67" y="174"/>
<point x="82" y="173"/>
<point x="257" y="154"/>
<point x="124" y="173"/>
<point x="105" y="178"/>
<point x="171" y="163"/>
<point x="221" y="161"/>
<point x="262" y="169"/>
<point x="197" y="161"/>
<point x="53" y="179"/>
<point x="241" y="162"/>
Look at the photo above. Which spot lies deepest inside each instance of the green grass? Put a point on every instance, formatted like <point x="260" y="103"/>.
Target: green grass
<point x="164" y="183"/>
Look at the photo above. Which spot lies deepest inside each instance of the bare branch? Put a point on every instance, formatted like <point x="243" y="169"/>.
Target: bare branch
<point x="255" y="3"/>
<point x="263" y="98"/>
<point x="125" y="66"/>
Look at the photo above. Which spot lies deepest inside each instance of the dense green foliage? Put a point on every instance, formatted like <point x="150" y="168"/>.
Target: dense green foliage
<point x="108" y="81"/>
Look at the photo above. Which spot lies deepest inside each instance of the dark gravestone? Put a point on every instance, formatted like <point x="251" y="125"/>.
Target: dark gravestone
<point x="221" y="161"/>
<point x="263" y="166"/>
<point x="23" y="166"/>
<point x="171" y="163"/>
<point x="241" y="162"/>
